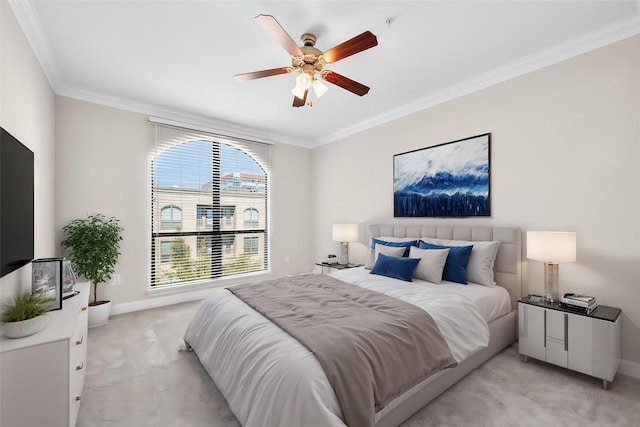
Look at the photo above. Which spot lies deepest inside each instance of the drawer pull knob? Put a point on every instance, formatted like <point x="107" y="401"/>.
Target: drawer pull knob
<point x="80" y="366"/>
<point x="78" y="398"/>
<point x="80" y="341"/>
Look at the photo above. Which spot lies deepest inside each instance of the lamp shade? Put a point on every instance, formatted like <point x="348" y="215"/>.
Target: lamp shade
<point x="551" y="246"/>
<point x="345" y="232"/>
<point x="319" y="88"/>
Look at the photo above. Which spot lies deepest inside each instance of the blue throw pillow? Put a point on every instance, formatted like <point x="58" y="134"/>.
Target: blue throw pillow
<point x="455" y="269"/>
<point x="406" y="245"/>
<point x="398" y="268"/>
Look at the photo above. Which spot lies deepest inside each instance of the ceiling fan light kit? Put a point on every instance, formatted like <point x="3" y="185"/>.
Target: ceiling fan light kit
<point x="309" y="61"/>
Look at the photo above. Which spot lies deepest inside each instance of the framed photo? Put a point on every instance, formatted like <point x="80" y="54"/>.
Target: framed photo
<point x="446" y="180"/>
<point x="47" y="280"/>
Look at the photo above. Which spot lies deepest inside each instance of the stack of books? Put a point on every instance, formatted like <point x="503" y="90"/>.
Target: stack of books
<point x="580" y="303"/>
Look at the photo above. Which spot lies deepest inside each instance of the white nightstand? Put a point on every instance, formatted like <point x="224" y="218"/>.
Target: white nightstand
<point x="584" y="343"/>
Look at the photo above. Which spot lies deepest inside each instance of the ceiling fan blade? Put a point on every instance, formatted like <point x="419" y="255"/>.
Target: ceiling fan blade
<point x="346" y="83"/>
<point x="352" y="46"/>
<point x="264" y="73"/>
<point x="275" y="30"/>
<point x="297" y="102"/>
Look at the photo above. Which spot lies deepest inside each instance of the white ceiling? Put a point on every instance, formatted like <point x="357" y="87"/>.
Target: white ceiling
<point x="177" y="59"/>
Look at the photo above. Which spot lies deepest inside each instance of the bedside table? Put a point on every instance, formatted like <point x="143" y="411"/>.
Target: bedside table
<point x="330" y="267"/>
<point x="587" y="343"/>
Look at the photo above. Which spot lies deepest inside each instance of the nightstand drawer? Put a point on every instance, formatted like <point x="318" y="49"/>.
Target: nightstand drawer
<point x="556" y="352"/>
<point x="556" y="325"/>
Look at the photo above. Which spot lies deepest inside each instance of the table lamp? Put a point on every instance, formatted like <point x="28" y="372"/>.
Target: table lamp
<point x="551" y="247"/>
<point x="344" y="233"/>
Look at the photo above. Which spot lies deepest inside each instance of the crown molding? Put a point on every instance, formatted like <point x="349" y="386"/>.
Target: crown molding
<point x="31" y="26"/>
<point x="193" y="120"/>
<point x="197" y="120"/>
<point x="561" y="52"/>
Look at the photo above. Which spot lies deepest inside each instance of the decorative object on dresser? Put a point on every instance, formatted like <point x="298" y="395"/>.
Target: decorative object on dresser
<point x="344" y="233"/>
<point x="25" y="314"/>
<point x="587" y="343"/>
<point x="551" y="247"/>
<point x="47" y="280"/>
<point x="43" y="374"/>
<point x="94" y="247"/>
<point x="446" y="180"/>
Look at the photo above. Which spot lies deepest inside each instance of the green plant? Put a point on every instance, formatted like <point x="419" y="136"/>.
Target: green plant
<point x="24" y="306"/>
<point x="94" y="248"/>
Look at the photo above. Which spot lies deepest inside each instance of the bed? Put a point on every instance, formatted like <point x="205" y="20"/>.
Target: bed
<point x="271" y="379"/>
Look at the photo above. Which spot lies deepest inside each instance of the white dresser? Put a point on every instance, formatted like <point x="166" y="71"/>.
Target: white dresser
<point x="585" y="343"/>
<point x="41" y="376"/>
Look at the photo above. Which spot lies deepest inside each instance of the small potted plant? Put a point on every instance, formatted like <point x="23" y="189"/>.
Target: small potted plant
<point x="24" y="314"/>
<point x="93" y="246"/>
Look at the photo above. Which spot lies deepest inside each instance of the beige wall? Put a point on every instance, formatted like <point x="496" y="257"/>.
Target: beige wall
<point x="103" y="167"/>
<point x="27" y="112"/>
<point x="565" y="152"/>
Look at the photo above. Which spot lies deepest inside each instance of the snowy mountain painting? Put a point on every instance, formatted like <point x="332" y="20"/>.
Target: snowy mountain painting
<point x="446" y="180"/>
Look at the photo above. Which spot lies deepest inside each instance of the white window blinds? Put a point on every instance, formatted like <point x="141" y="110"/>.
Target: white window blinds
<point x="202" y="186"/>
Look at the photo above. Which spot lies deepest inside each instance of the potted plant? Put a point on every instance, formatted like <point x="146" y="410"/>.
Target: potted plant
<point x="24" y="314"/>
<point x="93" y="246"/>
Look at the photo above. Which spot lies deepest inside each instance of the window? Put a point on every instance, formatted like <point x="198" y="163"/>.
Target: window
<point x="250" y="217"/>
<point x="251" y="245"/>
<point x="171" y="217"/>
<point x="227" y="214"/>
<point x="199" y="181"/>
<point x="205" y="217"/>
<point x="165" y="251"/>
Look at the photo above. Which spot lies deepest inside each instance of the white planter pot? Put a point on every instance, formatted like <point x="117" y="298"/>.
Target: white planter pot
<point x="24" y="328"/>
<point x="99" y="314"/>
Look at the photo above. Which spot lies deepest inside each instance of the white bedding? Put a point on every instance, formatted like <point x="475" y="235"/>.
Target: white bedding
<point x="270" y="379"/>
<point x="491" y="302"/>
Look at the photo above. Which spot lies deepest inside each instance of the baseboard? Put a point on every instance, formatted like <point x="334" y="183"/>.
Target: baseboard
<point x="629" y="368"/>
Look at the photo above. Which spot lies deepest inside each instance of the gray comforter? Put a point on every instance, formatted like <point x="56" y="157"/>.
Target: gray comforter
<point x="372" y="347"/>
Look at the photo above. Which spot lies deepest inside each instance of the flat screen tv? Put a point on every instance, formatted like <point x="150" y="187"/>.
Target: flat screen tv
<point x="16" y="204"/>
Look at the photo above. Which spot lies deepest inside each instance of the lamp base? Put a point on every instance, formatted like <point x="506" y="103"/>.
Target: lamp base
<point x="344" y="253"/>
<point x="551" y="293"/>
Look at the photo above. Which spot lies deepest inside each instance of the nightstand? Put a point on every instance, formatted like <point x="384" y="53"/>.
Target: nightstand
<point x="587" y="343"/>
<point x="330" y="268"/>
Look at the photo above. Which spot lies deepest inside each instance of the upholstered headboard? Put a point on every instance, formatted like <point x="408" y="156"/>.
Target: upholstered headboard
<point x="507" y="267"/>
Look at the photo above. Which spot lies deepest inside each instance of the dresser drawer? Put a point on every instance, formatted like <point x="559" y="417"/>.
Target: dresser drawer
<point x="77" y="363"/>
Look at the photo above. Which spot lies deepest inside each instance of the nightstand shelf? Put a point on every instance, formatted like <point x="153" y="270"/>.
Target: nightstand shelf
<point x="330" y="267"/>
<point x="587" y="343"/>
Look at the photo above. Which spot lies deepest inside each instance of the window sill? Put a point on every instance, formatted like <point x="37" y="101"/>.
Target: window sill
<point x="162" y="290"/>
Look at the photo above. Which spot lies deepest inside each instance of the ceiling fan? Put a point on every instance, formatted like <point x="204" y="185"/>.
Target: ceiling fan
<point x="310" y="61"/>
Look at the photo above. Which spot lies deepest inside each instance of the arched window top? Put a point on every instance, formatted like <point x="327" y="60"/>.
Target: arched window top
<point x="171" y="217"/>
<point x="251" y="217"/>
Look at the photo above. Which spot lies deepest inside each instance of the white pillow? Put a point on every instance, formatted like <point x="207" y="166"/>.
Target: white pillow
<point x="481" y="261"/>
<point x="393" y="251"/>
<point x="431" y="263"/>
<point x="371" y="259"/>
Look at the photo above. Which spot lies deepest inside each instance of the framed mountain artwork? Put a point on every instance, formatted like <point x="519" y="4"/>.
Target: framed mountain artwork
<point x="445" y="180"/>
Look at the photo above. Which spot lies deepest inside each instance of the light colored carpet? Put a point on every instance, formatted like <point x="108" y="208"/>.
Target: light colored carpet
<point x="139" y="375"/>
